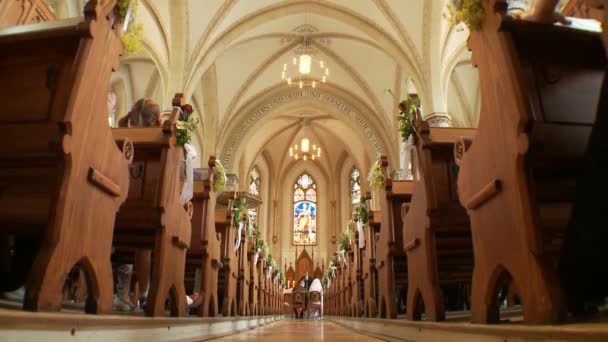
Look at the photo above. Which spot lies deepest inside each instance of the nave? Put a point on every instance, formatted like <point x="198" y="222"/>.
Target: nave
<point x="300" y="331"/>
<point x="188" y="170"/>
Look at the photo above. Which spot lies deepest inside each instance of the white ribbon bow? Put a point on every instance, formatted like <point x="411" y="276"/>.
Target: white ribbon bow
<point x="257" y="256"/>
<point x="408" y="151"/>
<point x="238" y="237"/>
<point x="188" y="188"/>
<point x="343" y="255"/>
<point x="361" y="237"/>
<point x="269" y="272"/>
<point x="328" y="282"/>
<point x="333" y="271"/>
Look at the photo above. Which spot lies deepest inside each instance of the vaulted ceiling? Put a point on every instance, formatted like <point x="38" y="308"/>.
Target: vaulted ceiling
<point x="227" y="57"/>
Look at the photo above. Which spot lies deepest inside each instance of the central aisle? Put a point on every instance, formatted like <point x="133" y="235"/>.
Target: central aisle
<point x="290" y="330"/>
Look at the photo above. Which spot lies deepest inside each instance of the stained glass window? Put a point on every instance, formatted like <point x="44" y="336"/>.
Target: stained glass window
<point x="355" y="187"/>
<point x="305" y="211"/>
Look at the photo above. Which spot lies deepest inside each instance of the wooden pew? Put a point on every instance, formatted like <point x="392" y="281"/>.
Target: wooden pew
<point x="244" y="272"/>
<point x="519" y="175"/>
<point x="22" y="12"/>
<point x="356" y="285"/>
<point x="204" y="253"/>
<point x="369" y="272"/>
<point x="391" y="263"/>
<point x="436" y="227"/>
<point x="254" y="288"/>
<point x="152" y="217"/>
<point x="227" y="278"/>
<point x="62" y="178"/>
<point x="261" y="266"/>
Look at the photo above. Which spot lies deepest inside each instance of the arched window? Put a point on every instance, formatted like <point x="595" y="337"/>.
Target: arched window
<point x="355" y="187"/>
<point x="254" y="189"/>
<point x="305" y="211"/>
<point x="254" y="182"/>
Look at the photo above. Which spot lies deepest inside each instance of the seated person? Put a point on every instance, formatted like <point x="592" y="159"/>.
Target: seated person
<point x="144" y="113"/>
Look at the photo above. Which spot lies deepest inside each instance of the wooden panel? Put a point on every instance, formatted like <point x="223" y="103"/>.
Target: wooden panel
<point x="538" y="107"/>
<point x="55" y="131"/>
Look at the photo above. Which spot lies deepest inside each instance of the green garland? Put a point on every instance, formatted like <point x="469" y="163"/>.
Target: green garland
<point x="219" y="177"/>
<point x="185" y="125"/>
<point x="376" y="176"/>
<point x="362" y="212"/>
<point x="238" y="208"/>
<point x="283" y="279"/>
<point x="469" y="12"/>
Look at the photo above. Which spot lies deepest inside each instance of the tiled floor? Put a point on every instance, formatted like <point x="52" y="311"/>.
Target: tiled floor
<point x="290" y="330"/>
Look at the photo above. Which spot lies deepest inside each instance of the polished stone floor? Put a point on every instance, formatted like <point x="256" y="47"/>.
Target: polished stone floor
<point x="290" y="330"/>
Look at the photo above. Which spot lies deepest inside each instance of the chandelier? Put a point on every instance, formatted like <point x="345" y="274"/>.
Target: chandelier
<point x="298" y="72"/>
<point x="305" y="152"/>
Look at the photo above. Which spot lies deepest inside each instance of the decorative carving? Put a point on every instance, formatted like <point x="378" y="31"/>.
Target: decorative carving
<point x="128" y="149"/>
<point x="292" y="95"/>
<point x="305" y="30"/>
<point x="439" y="120"/>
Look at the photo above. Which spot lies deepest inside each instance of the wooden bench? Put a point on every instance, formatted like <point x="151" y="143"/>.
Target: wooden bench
<point x="369" y="272"/>
<point x="227" y="277"/>
<point x="390" y="260"/>
<point x="244" y="273"/>
<point x="540" y="85"/>
<point x="436" y="227"/>
<point x="355" y="282"/>
<point x="152" y="217"/>
<point x="204" y="255"/>
<point x="254" y="274"/>
<point x="261" y="287"/>
<point x="62" y="177"/>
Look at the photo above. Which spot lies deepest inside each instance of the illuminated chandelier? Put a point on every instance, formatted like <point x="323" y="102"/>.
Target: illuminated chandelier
<point x="298" y="72"/>
<point x="304" y="151"/>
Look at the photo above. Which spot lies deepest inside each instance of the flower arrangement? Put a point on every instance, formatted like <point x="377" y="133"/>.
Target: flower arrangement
<point x="345" y="238"/>
<point x="251" y="229"/>
<point x="362" y="212"/>
<point x="238" y="208"/>
<point x="469" y="12"/>
<point x="333" y="261"/>
<point x="259" y="243"/>
<point x="185" y="125"/>
<point x="219" y="177"/>
<point x="376" y="176"/>
<point x="269" y="260"/>
<point x="408" y="109"/>
<point x="133" y="32"/>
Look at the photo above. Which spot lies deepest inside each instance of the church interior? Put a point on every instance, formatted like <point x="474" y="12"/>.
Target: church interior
<point x="340" y="170"/>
